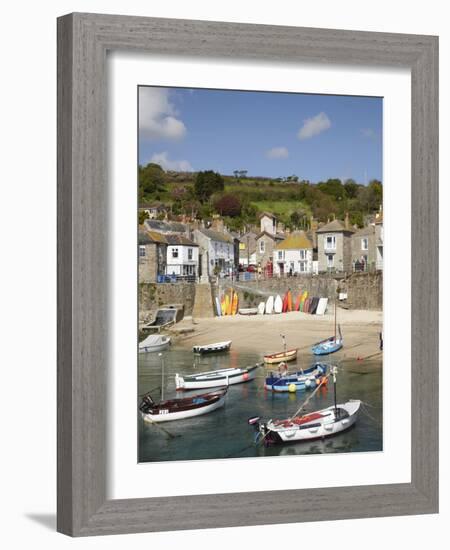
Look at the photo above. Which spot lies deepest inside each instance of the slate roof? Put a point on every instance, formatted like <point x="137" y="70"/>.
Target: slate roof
<point x="296" y="241"/>
<point x="151" y="237"/>
<point x="276" y="237"/>
<point x="173" y="227"/>
<point x="179" y="240"/>
<point x="334" y="226"/>
<point x="216" y="235"/>
<point x="365" y="231"/>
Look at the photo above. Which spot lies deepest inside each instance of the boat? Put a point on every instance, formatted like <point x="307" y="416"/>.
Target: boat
<point x="297" y="302"/>
<point x="274" y="358"/>
<point x="234" y="302"/>
<point x="248" y="311"/>
<point x="261" y="308"/>
<point x="282" y="356"/>
<point x="278" y="304"/>
<point x="218" y="307"/>
<point x="177" y="409"/>
<point x="303" y="299"/>
<point x="294" y="381"/>
<point x="154" y="342"/>
<point x="321" y="308"/>
<point x="269" y="305"/>
<point x="212" y="379"/>
<point x="331" y="344"/>
<point x="212" y="348"/>
<point x="305" y="427"/>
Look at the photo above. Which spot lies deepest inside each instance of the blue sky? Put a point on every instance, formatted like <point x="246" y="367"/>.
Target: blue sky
<point x="270" y="134"/>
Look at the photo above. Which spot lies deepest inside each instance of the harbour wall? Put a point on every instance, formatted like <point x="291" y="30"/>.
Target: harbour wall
<point x="363" y="290"/>
<point x="155" y="295"/>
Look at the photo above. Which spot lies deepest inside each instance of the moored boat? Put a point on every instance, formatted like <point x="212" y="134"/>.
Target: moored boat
<point x="154" y="342"/>
<point x="295" y="381"/>
<point x="212" y="379"/>
<point x="177" y="409"/>
<point x="274" y="358"/>
<point x="217" y="347"/>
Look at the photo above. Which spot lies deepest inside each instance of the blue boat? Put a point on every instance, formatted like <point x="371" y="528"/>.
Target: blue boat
<point x="295" y="381"/>
<point x="330" y="345"/>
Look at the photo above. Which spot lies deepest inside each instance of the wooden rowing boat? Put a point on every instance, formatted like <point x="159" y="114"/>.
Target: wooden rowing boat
<point x="217" y="347"/>
<point x="287" y="355"/>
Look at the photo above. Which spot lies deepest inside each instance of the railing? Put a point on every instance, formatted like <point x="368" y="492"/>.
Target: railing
<point x="176" y="279"/>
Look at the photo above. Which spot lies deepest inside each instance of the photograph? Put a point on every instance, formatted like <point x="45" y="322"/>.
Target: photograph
<point x="260" y="261"/>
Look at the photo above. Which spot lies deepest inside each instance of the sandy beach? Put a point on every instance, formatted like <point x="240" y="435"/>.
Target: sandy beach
<point x="261" y="333"/>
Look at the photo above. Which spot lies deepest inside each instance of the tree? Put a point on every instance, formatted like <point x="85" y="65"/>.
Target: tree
<point x="228" y="205"/>
<point x="151" y="178"/>
<point x="143" y="215"/>
<point x="351" y="188"/>
<point x="207" y="183"/>
<point x="332" y="187"/>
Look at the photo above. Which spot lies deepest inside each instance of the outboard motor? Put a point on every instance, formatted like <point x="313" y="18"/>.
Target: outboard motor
<point x="147" y="404"/>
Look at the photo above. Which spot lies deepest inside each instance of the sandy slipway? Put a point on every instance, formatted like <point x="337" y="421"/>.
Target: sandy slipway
<point x="261" y="333"/>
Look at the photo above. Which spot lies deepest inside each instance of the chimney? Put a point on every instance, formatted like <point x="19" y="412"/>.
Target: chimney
<point x="347" y="221"/>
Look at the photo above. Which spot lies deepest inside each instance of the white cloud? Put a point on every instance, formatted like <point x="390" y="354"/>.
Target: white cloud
<point x="277" y="153"/>
<point x="314" y="126"/>
<point x="369" y="133"/>
<point x="158" y="116"/>
<point x="177" y="165"/>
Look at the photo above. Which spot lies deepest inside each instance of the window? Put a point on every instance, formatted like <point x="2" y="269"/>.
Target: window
<point x="302" y="254"/>
<point x="190" y="253"/>
<point x="330" y="242"/>
<point x="141" y="251"/>
<point x="174" y="252"/>
<point x="262" y="247"/>
<point x="302" y="266"/>
<point x="330" y="260"/>
<point x="364" y="243"/>
<point x="280" y="254"/>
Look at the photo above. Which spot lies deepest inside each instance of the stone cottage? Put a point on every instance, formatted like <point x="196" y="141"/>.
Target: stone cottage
<point x="152" y="251"/>
<point x="335" y="247"/>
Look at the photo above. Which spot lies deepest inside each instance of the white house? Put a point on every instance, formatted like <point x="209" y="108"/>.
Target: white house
<point x="216" y="255"/>
<point x="182" y="257"/>
<point x="294" y="255"/>
<point x="268" y="223"/>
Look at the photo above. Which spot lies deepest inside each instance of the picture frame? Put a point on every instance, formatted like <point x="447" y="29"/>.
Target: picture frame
<point x="83" y="42"/>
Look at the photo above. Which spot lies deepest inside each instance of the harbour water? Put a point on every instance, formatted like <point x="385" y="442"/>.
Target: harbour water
<point x="225" y="432"/>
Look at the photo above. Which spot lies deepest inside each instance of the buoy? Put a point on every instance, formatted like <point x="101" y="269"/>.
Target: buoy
<point x="292" y="388"/>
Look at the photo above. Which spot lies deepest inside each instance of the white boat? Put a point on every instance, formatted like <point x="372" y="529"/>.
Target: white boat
<point x="248" y="311"/>
<point x="322" y="307"/>
<point x="323" y="423"/>
<point x="212" y="348"/>
<point x="261" y="308"/>
<point x="177" y="409"/>
<point x="269" y="305"/>
<point x="218" y="307"/>
<point x="215" y="378"/>
<point x="154" y="342"/>
<point x="278" y="304"/>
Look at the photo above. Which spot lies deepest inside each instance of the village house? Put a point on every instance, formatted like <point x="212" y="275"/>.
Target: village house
<point x="154" y="211"/>
<point x="182" y="258"/>
<point x="363" y="249"/>
<point x="152" y="247"/>
<point x="216" y="254"/>
<point x="266" y="241"/>
<point x="379" y="241"/>
<point x="335" y="246"/>
<point x="268" y="223"/>
<point x="293" y="255"/>
<point x="247" y="249"/>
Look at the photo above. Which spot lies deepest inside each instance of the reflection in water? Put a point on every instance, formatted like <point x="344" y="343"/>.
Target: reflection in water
<point x="225" y="433"/>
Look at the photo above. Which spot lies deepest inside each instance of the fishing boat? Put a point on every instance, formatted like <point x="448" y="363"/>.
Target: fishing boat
<point x="331" y="344"/>
<point x="215" y="378"/>
<point x="212" y="348"/>
<point x="295" y="381"/>
<point x="305" y="427"/>
<point x="177" y="409"/>
<point x="282" y="356"/>
<point x="154" y="342"/>
<point x="248" y="311"/>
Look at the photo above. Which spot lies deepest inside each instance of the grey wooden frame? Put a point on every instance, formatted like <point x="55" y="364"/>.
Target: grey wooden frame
<point x="83" y="41"/>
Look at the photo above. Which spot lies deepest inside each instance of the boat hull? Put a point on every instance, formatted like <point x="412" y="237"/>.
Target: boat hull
<point x="219" y="347"/>
<point x="162" y="414"/>
<point x="326" y="427"/>
<point x="222" y="379"/>
<point x="151" y="348"/>
<point x="326" y="348"/>
<point x="308" y="379"/>
<point x="276" y="358"/>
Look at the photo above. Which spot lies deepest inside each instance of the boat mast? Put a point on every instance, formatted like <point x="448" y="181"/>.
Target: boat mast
<point x="333" y="371"/>
<point x="284" y="342"/>
<point x="162" y="376"/>
<point x="335" y="313"/>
